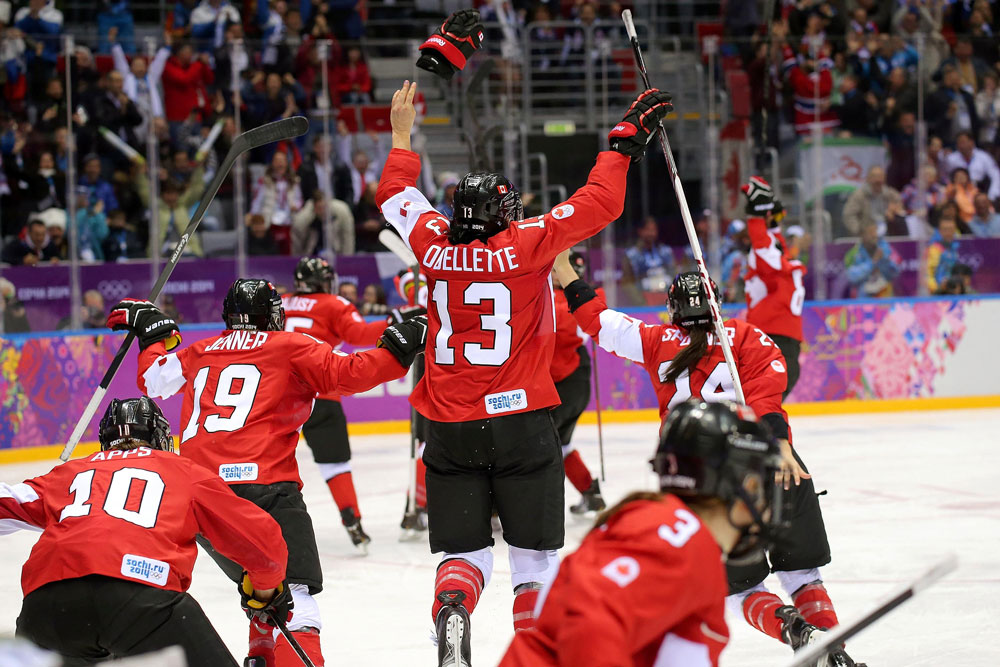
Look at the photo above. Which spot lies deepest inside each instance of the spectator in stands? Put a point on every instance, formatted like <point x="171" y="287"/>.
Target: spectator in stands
<point x="32" y="188"/>
<point x="277" y="196"/>
<point x="902" y="143"/>
<point x="95" y="183"/>
<point x="174" y="210"/>
<point x="184" y="82"/>
<point x="114" y="22"/>
<point x="734" y="261"/>
<point x="270" y="20"/>
<point x="92" y="314"/>
<point x="208" y="23"/>
<point x="42" y="24"/>
<point x="362" y="167"/>
<point x="762" y="68"/>
<point x="984" y="39"/>
<point x="114" y="110"/>
<point x="934" y="197"/>
<point x="50" y="180"/>
<point x="55" y="227"/>
<point x="91" y="227"/>
<point x="353" y="81"/>
<point x="811" y="82"/>
<point x="986" y="221"/>
<point x="307" y="226"/>
<point x="942" y="253"/>
<point x="349" y="291"/>
<point x="962" y="273"/>
<point x="446" y="194"/>
<point x="368" y="221"/>
<point x="962" y="192"/>
<point x="373" y="300"/>
<point x="988" y="110"/>
<point x="320" y="172"/>
<point x="970" y="69"/>
<point x="979" y="164"/>
<point x="277" y="98"/>
<point x="179" y="18"/>
<point x="545" y="53"/>
<point x="649" y="263"/>
<point x="121" y="243"/>
<point x="575" y="43"/>
<point x="858" y="111"/>
<point x="31" y="246"/>
<point x="799" y="243"/>
<point x="951" y="109"/>
<point x="900" y="96"/>
<point x="346" y="21"/>
<point x="260" y="241"/>
<point x="873" y="202"/>
<point x="141" y="82"/>
<point x="872" y="264"/>
<point x="51" y="109"/>
<point x="15" y="319"/>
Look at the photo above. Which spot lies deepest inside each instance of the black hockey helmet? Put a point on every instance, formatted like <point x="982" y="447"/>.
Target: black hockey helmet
<point x="134" y="422"/>
<point x="253" y="304"/>
<point x="688" y="301"/>
<point x="579" y="263"/>
<point x="314" y="274"/>
<point x="485" y="204"/>
<point x="721" y="450"/>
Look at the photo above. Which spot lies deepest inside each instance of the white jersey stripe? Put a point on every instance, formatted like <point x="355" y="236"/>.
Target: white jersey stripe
<point x="621" y="335"/>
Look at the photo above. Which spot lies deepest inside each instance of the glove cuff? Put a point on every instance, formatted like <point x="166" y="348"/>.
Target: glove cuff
<point x="435" y="63"/>
<point x="578" y="293"/>
<point x="451" y="52"/>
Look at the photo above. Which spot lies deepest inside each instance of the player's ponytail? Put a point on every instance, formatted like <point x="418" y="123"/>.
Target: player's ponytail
<point x="689" y="356"/>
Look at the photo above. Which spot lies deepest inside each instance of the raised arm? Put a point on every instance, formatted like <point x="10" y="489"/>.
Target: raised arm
<point x="21" y="508"/>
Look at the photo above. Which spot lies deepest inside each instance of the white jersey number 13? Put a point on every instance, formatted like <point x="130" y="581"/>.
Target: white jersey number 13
<point x="497" y="322"/>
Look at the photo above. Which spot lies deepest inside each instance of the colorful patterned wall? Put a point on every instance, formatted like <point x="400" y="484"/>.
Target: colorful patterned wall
<point x="902" y="348"/>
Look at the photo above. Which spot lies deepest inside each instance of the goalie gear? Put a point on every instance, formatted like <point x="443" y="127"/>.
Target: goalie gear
<point x="314" y="274"/>
<point x="148" y="323"/>
<point x="631" y="136"/>
<point x="485" y="204"/>
<point x="405" y="340"/>
<point x="253" y="305"/>
<point x="134" y="422"/>
<point x="449" y="48"/>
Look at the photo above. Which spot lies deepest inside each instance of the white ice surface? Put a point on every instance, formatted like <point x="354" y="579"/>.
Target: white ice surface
<point x="904" y="489"/>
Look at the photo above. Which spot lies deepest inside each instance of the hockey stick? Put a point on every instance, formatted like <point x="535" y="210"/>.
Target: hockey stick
<point x="597" y="406"/>
<point x="287" y="128"/>
<point x="292" y="641"/>
<point x="720" y="330"/>
<point x="834" y="638"/>
<point x="398" y="247"/>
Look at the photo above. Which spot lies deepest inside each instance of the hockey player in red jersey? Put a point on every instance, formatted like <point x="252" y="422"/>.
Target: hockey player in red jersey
<point x="570" y="371"/>
<point x="683" y="361"/>
<point x="774" y="289"/>
<point x="487" y="389"/>
<point x="316" y="310"/>
<point x="247" y="393"/>
<point x="648" y="584"/>
<point x="107" y="578"/>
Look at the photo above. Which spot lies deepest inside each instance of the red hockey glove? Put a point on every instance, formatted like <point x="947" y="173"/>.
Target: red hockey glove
<point x="148" y="323"/>
<point x="634" y="132"/>
<point x="447" y="50"/>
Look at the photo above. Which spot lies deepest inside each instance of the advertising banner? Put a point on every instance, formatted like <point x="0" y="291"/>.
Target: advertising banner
<point x="844" y="163"/>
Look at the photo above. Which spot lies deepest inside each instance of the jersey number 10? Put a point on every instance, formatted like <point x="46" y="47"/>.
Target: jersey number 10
<point x="117" y="496"/>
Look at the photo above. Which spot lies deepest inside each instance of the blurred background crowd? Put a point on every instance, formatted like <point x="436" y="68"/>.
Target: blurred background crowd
<point x="114" y="117"/>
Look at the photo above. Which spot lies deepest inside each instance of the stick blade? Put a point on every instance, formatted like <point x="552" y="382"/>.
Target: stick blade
<point x="279" y="130"/>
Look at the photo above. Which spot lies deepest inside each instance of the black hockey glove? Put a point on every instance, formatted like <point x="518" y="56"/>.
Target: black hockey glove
<point x="280" y="605"/>
<point x="578" y="293"/>
<point x="447" y="50"/>
<point x="760" y="197"/>
<point x="634" y="132"/>
<point x="406" y="339"/>
<point x="404" y="313"/>
<point x="148" y="323"/>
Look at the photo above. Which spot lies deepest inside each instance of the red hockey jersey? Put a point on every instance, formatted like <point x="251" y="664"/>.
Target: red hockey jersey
<point x="774" y="289"/>
<point x="490" y="311"/>
<point x="333" y="319"/>
<point x="133" y="515"/>
<point x="569" y="338"/>
<point x="758" y="360"/>
<point x="247" y="394"/>
<point x="647" y="588"/>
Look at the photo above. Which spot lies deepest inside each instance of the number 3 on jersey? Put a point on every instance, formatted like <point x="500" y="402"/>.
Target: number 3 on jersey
<point x="236" y="389"/>
<point x="497" y="322"/>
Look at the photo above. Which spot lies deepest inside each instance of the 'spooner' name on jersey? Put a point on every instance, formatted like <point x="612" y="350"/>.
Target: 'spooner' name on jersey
<point x="491" y="322"/>
<point x="247" y="394"/>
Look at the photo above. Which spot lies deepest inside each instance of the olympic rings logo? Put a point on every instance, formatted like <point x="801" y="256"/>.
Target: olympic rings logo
<point x="114" y="290"/>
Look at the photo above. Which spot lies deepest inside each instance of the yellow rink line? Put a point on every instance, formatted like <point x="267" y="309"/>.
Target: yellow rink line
<point x="25" y="454"/>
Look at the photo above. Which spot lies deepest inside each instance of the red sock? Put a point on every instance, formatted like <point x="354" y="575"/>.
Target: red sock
<point x="421" y="490"/>
<point x="814" y="603"/>
<point x="457" y="580"/>
<point x="758" y="610"/>
<point x="525" y="597"/>
<point x="261" y="641"/>
<point x="342" y="488"/>
<point x="576" y="471"/>
<point x="285" y="655"/>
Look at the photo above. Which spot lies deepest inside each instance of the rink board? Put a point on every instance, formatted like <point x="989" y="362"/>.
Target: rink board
<point x="858" y="356"/>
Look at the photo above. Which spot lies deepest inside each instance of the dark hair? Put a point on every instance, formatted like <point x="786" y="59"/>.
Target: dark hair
<point x="965" y="133"/>
<point x="689" y="356"/>
<point x="959" y="169"/>
<point x="115" y="213"/>
<point x="961" y="269"/>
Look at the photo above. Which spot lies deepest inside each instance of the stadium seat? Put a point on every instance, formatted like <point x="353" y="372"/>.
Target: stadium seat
<point x="375" y="118"/>
<point x="349" y="114"/>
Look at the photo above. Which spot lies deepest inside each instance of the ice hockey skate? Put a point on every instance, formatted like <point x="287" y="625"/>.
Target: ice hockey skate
<point x="454" y="632"/>
<point x="797" y="632"/>
<point x="590" y="501"/>
<point x="359" y="538"/>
